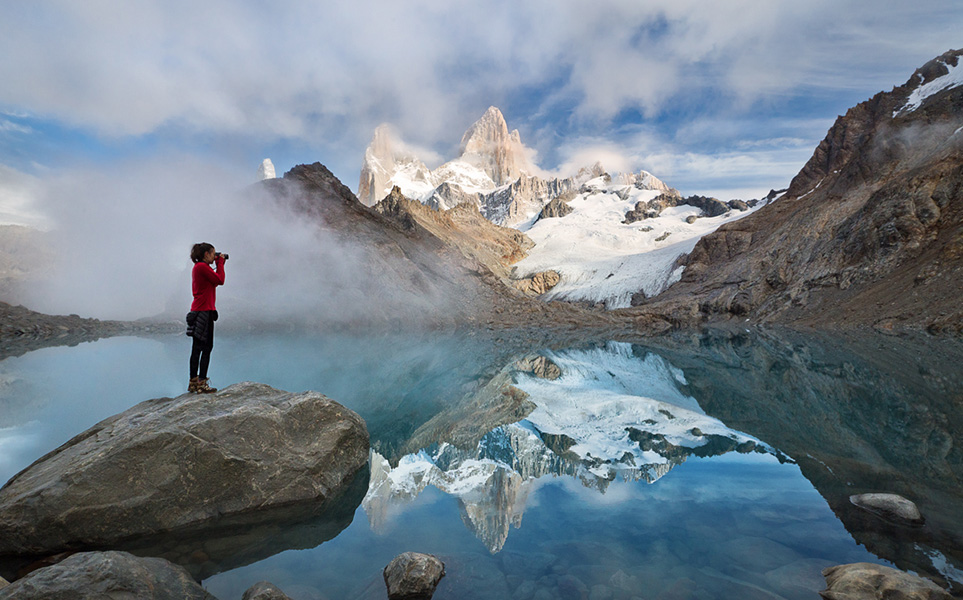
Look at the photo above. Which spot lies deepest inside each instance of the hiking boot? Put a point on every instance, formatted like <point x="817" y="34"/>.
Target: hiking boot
<point x="203" y="388"/>
<point x="192" y="387"/>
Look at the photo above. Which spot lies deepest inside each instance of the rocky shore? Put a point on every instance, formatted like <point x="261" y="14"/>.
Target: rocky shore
<point x="23" y="330"/>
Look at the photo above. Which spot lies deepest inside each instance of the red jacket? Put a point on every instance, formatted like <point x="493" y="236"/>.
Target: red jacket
<point x="204" y="282"/>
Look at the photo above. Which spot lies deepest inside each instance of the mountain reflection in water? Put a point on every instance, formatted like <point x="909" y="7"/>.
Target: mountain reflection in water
<point x="713" y="465"/>
<point x="596" y="415"/>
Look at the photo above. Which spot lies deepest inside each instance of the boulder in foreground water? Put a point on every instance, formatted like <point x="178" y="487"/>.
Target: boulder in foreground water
<point x="891" y="507"/>
<point x="264" y="590"/>
<point x="413" y="576"/>
<point x="169" y="465"/>
<point x="97" y="575"/>
<point x="867" y="581"/>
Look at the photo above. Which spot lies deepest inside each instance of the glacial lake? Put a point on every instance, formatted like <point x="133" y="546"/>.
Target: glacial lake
<point x="690" y="466"/>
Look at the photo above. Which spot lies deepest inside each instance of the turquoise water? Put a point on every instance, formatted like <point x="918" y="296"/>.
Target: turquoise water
<point x="675" y="468"/>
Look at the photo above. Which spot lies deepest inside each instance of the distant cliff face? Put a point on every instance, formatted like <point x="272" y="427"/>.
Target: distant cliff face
<point x="870" y="231"/>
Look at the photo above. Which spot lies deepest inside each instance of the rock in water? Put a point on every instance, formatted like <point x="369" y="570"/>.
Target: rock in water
<point x="264" y="590"/>
<point x="96" y="575"/>
<point x="866" y="581"/>
<point x="413" y="576"/>
<point x="889" y="506"/>
<point x="181" y="464"/>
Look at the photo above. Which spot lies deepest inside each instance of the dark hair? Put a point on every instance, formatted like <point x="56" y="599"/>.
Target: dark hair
<point x="199" y="250"/>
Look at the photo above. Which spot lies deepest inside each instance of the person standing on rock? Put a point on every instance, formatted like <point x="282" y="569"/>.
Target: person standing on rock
<point x="200" y="321"/>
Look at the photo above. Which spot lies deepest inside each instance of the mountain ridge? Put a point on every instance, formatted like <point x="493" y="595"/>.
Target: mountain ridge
<point x="869" y="233"/>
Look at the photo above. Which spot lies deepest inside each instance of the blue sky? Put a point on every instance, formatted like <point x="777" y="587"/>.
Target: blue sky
<point x="726" y="98"/>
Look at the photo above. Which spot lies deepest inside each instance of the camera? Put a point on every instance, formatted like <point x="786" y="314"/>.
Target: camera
<point x="223" y="255"/>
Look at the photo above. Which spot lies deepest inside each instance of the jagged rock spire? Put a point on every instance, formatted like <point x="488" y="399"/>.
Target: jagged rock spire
<point x="489" y="146"/>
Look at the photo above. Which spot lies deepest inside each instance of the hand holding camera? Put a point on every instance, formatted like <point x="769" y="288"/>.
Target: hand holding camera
<point x="223" y="255"/>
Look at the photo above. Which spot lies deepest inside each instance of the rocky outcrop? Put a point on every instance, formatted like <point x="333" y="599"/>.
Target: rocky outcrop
<point x="867" y="233"/>
<point x="98" y="575"/>
<point x="413" y="576"/>
<point x="652" y="208"/>
<point x="182" y="465"/>
<point x="557" y="208"/>
<point x="264" y="590"/>
<point x="523" y="199"/>
<point x="539" y="366"/>
<point x="710" y="207"/>
<point x="892" y="507"/>
<point x="537" y="284"/>
<point x="867" y="581"/>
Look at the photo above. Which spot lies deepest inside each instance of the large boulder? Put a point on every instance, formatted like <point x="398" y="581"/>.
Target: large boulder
<point x="866" y="581"/>
<point x="264" y="590"/>
<point x="186" y="466"/>
<point x="891" y="507"/>
<point x="97" y="575"/>
<point x="413" y="576"/>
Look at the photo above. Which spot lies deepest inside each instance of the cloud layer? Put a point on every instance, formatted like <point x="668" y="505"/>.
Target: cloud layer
<point x="306" y="81"/>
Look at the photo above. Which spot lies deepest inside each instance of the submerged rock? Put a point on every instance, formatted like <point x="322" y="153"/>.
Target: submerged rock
<point x="413" y="576"/>
<point x="264" y="590"/>
<point x="96" y="575"/>
<point x="867" y="581"/>
<point x="179" y="466"/>
<point x="891" y="507"/>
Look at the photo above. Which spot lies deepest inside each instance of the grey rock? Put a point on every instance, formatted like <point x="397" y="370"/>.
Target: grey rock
<point x="891" y="507"/>
<point x="413" y="576"/>
<point x="97" y="575"/>
<point x="711" y="207"/>
<point x="264" y="590"/>
<point x="555" y="209"/>
<point x="169" y="465"/>
<point x="866" y="581"/>
<point x="691" y="219"/>
<point x="3" y="583"/>
<point x="738" y="204"/>
<point x="538" y="283"/>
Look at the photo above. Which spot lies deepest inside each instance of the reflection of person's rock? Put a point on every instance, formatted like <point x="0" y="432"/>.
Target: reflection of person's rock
<point x="867" y="581"/>
<point x="889" y="506"/>
<point x="264" y="590"/>
<point x="179" y="465"/>
<point x="96" y="575"/>
<point x="413" y="576"/>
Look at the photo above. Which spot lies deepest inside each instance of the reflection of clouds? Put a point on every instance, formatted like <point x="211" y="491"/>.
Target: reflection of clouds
<point x="14" y="443"/>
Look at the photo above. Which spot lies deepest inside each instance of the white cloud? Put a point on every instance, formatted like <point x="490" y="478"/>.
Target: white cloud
<point x="325" y="74"/>
<point x="18" y="199"/>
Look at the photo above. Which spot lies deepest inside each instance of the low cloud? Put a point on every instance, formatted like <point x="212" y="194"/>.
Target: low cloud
<point x="122" y="240"/>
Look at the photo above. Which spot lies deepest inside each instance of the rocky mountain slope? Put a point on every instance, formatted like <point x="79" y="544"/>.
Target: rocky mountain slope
<point x="418" y="266"/>
<point x="869" y="233"/>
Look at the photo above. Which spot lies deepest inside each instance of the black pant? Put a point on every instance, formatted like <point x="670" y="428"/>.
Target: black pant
<point x="201" y="353"/>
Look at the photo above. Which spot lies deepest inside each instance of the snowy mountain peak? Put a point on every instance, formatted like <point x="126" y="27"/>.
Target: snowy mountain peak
<point x="266" y="170"/>
<point x="385" y="159"/>
<point x="489" y="146"/>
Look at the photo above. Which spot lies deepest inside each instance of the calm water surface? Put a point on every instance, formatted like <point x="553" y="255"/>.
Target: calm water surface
<point x="694" y="467"/>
